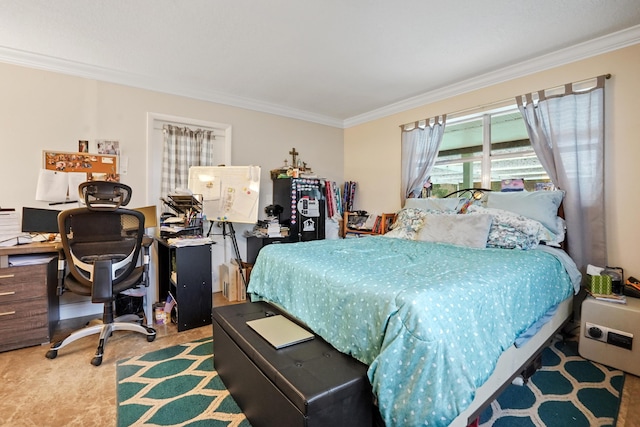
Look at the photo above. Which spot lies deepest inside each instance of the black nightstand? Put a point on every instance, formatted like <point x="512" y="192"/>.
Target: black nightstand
<point x="254" y="244"/>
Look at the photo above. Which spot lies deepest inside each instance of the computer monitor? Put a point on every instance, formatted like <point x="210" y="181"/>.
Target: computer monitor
<point x="35" y="220"/>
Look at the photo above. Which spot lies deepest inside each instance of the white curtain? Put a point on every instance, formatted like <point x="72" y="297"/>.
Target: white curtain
<point x="567" y="134"/>
<point x="183" y="148"/>
<point x="420" y="147"/>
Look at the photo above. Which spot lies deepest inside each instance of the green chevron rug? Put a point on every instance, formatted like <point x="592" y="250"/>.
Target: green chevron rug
<point x="176" y="386"/>
<point x="567" y="391"/>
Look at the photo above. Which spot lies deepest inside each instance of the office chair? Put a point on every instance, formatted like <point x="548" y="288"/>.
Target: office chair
<point x="101" y="245"/>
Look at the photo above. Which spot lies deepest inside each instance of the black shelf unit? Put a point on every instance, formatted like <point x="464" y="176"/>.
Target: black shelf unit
<point x="186" y="273"/>
<point x="299" y="197"/>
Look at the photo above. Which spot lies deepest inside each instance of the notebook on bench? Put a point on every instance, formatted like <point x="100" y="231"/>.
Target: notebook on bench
<point x="279" y="331"/>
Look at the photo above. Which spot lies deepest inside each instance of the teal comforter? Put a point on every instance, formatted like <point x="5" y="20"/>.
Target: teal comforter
<point x="429" y="319"/>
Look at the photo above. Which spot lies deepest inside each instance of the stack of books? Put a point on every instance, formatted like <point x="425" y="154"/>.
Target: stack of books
<point x="10" y="229"/>
<point x="269" y="228"/>
<point x="620" y="299"/>
<point x="273" y="229"/>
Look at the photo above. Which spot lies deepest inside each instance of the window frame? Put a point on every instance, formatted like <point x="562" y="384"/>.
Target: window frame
<point x="485" y="158"/>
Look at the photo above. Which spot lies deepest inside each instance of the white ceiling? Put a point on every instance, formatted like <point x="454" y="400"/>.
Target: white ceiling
<point x="336" y="62"/>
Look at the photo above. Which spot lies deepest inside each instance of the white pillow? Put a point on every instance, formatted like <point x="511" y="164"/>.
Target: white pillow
<point x="541" y="206"/>
<point x="435" y="204"/>
<point x="463" y="230"/>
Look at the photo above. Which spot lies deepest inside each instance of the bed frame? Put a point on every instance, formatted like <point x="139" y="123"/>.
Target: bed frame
<point x="513" y="362"/>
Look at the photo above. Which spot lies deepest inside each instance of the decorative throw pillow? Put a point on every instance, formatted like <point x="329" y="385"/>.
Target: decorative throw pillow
<point x="463" y="230"/>
<point x="510" y="230"/>
<point x="541" y="206"/>
<point x="408" y="222"/>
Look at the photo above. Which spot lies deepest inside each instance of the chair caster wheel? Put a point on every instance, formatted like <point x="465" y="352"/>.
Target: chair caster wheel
<point x="96" y="361"/>
<point x="52" y="354"/>
<point x="150" y="338"/>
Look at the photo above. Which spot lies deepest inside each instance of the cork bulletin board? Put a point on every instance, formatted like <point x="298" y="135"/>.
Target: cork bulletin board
<point x="80" y="162"/>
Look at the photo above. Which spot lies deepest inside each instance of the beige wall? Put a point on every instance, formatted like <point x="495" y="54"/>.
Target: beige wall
<point x="372" y="150"/>
<point x="45" y="110"/>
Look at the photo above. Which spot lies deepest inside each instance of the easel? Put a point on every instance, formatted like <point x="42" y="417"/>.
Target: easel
<point x="232" y="233"/>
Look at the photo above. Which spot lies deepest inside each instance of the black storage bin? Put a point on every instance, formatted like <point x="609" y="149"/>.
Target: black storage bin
<point x="309" y="384"/>
<point x="126" y="304"/>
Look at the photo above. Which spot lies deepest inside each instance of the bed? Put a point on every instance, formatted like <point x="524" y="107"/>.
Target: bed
<point x="444" y="315"/>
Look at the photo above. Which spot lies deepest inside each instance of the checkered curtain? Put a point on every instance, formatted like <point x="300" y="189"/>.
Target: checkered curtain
<point x="183" y="148"/>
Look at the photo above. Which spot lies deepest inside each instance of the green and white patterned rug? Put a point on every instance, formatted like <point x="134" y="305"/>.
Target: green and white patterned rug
<point x="176" y="386"/>
<point x="567" y="391"/>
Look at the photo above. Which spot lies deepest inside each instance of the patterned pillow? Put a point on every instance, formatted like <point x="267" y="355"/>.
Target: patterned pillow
<point x="510" y="230"/>
<point x="408" y="222"/>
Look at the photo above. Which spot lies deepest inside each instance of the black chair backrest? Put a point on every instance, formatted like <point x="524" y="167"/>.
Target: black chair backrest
<point x="104" y="195"/>
<point x="97" y="234"/>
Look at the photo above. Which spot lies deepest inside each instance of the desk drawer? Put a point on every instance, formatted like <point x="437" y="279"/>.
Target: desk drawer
<point x="23" y="323"/>
<point x="18" y="283"/>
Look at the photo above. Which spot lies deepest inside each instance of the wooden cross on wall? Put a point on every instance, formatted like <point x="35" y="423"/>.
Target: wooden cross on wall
<point x="294" y="154"/>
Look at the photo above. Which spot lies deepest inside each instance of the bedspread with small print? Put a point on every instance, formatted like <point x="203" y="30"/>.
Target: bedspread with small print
<point x="430" y="319"/>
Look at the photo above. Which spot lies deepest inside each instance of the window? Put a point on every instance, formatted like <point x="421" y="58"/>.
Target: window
<point x="482" y="150"/>
<point x="155" y="123"/>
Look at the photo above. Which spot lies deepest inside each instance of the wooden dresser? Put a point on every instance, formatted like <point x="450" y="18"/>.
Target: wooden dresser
<point x="29" y="308"/>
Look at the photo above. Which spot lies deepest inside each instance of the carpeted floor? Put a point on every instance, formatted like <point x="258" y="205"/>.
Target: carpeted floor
<point x="178" y="386"/>
<point x="175" y="386"/>
<point x="567" y="391"/>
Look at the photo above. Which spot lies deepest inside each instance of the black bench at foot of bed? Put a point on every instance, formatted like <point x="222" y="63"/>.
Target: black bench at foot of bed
<point x="307" y="384"/>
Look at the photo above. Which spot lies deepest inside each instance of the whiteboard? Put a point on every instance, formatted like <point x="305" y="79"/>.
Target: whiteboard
<point x="229" y="193"/>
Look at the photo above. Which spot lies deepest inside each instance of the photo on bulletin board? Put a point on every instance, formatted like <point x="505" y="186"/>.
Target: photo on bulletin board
<point x="80" y="162"/>
<point x="229" y="193"/>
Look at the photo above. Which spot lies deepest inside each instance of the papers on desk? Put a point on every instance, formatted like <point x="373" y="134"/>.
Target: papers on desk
<point x="10" y="230"/>
<point x="172" y="225"/>
<point x="29" y="259"/>
<point x="17" y="239"/>
<point x="138" y="291"/>
<point x="190" y="241"/>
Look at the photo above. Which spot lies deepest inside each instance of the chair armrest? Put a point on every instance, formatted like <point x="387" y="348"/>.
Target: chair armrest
<point x="146" y="243"/>
<point x="62" y="269"/>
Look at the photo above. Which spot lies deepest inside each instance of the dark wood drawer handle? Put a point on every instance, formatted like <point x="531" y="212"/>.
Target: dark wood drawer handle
<point x="2" y="294"/>
<point x="7" y="276"/>
<point x="7" y="313"/>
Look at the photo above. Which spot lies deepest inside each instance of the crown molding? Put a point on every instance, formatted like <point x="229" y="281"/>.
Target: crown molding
<point x="78" y="69"/>
<point x="604" y="44"/>
<point x="598" y="46"/>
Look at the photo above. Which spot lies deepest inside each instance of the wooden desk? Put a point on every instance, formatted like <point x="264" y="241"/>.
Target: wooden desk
<point x="29" y="309"/>
<point x="30" y="248"/>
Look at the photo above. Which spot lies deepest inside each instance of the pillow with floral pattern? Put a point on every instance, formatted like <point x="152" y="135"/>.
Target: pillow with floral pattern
<point x="408" y="222"/>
